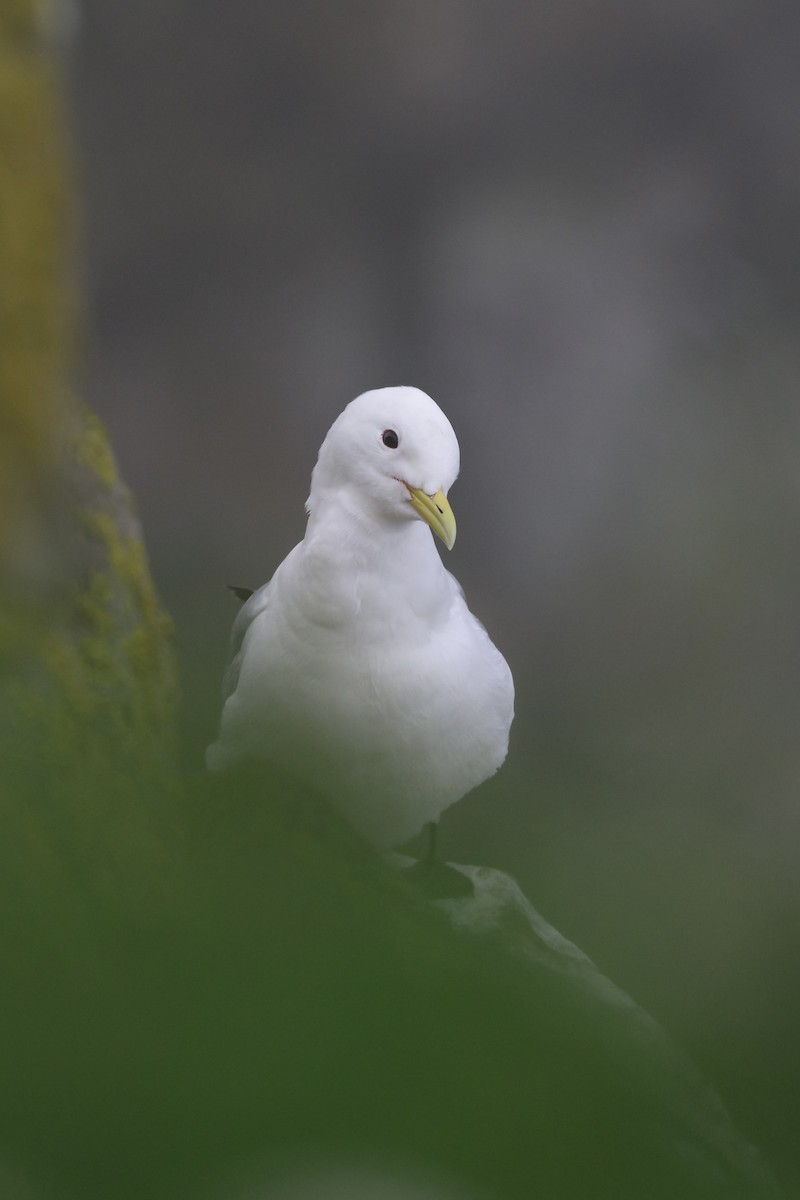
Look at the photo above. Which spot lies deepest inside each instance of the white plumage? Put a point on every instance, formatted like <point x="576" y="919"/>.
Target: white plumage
<point x="358" y="667"/>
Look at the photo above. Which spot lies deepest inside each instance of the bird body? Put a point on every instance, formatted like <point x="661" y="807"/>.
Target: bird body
<point x="359" y="667"/>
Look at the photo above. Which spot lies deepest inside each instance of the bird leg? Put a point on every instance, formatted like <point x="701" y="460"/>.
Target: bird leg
<point x="435" y="878"/>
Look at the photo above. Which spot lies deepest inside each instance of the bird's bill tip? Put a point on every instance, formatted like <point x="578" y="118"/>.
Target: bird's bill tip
<point x="435" y="511"/>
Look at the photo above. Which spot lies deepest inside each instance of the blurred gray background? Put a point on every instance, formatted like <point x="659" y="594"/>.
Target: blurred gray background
<point x="577" y="227"/>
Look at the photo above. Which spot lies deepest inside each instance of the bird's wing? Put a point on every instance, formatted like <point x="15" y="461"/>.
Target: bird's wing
<point x="251" y="608"/>
<point x="241" y="593"/>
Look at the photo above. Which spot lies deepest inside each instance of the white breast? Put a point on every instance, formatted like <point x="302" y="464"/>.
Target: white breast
<point x="393" y="710"/>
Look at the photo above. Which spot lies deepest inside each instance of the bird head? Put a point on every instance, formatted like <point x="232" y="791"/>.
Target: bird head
<point x="393" y="453"/>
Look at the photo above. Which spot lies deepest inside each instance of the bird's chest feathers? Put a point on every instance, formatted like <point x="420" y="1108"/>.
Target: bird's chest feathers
<point x="370" y="601"/>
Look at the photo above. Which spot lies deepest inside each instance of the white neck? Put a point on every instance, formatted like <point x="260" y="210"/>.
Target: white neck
<point x="376" y="564"/>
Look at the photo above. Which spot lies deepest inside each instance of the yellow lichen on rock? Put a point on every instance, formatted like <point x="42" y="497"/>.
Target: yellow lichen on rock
<point x="19" y="20"/>
<point x="85" y="651"/>
<point x="36" y="291"/>
<point x="94" y="451"/>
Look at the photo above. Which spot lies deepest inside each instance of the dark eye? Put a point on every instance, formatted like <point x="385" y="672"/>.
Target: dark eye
<point x="390" y="439"/>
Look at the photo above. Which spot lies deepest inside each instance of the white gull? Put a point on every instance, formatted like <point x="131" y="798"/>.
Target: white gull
<point x="359" y="668"/>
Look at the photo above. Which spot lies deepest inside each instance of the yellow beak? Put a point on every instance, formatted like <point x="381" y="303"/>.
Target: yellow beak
<point x="436" y="511"/>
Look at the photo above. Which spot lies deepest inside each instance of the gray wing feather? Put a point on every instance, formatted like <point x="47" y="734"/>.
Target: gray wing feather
<point x="244" y="619"/>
